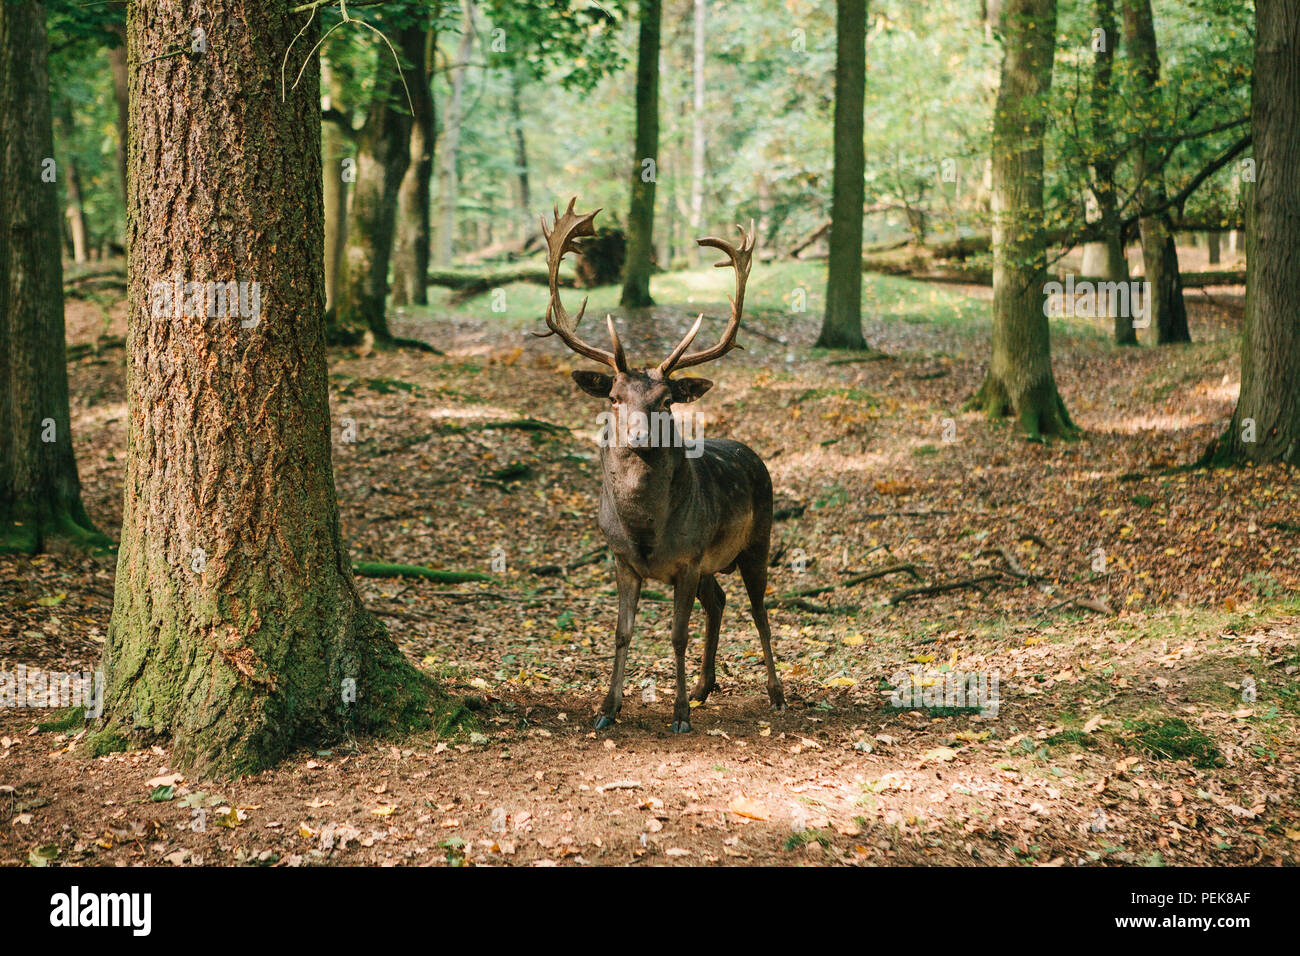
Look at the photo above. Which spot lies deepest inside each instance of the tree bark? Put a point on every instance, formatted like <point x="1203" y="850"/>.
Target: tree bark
<point x="411" y="255"/>
<point x="1213" y="248"/>
<point x="1165" y="307"/>
<point x="383" y="154"/>
<point x="1268" y="408"/>
<point x="237" y="629"/>
<point x="842" y="322"/>
<point x="450" y="153"/>
<point x="640" y="219"/>
<point x="1112" y="261"/>
<point x="40" y="492"/>
<point x="334" y="147"/>
<point x="1020" y="380"/>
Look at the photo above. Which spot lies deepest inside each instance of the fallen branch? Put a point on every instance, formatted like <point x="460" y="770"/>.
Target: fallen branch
<point x="909" y="593"/>
<point x="550" y="570"/>
<point x="1012" y="564"/>
<point x="519" y="424"/>
<point x="380" y="569"/>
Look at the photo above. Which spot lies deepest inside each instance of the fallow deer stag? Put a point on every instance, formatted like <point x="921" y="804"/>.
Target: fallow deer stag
<point x="669" y="515"/>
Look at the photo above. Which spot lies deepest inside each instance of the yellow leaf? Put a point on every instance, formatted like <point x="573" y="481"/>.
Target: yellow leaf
<point x="743" y="806"/>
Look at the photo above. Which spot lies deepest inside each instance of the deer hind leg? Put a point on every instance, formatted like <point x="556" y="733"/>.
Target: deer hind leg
<point x="629" y="594"/>
<point x="713" y="600"/>
<point x="753" y="568"/>
<point x="684" y="589"/>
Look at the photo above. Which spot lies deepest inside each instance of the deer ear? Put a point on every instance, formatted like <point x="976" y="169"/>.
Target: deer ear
<point x="688" y="389"/>
<point x="597" y="384"/>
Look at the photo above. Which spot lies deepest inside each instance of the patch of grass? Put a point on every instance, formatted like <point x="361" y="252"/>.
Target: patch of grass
<point x="804" y="837"/>
<point x="1172" y="739"/>
<point x="70" y="719"/>
<point x="1067" y="737"/>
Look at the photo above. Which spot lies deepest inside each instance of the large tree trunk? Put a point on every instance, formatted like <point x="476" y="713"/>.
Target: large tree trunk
<point x="1266" y="424"/>
<point x="333" y="151"/>
<point x="842" y="322"/>
<point x="1165" y="307"/>
<point x="40" y="493"/>
<point x="1020" y="381"/>
<point x="411" y="255"/>
<point x="383" y="153"/>
<point x="1111" y="262"/>
<point x="449" y="155"/>
<point x="237" y="630"/>
<point x="641" y="214"/>
<point x="699" y="121"/>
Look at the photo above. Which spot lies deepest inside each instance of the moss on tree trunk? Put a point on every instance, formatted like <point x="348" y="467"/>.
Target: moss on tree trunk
<point x="40" y="493"/>
<point x="1020" y="381"/>
<point x="237" y="631"/>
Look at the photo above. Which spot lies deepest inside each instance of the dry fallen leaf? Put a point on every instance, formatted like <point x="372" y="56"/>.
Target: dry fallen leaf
<point x="743" y="806"/>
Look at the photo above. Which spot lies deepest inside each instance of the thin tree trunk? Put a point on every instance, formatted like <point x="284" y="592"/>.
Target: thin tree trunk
<point x="1165" y="307"/>
<point x="699" y="122"/>
<point x="117" y="66"/>
<point x="333" y="150"/>
<point x="524" y="193"/>
<point x="237" y="633"/>
<point x="411" y="255"/>
<point x="449" y="155"/>
<point x="640" y="219"/>
<point x="76" y="212"/>
<point x="842" y="323"/>
<point x="1212" y="247"/>
<point x="1020" y="380"/>
<point x="1266" y="424"/>
<point x="1113" y="261"/>
<point x="40" y="493"/>
<point x="383" y="154"/>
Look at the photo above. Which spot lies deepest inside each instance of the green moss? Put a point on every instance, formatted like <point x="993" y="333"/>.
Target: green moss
<point x="804" y="837"/>
<point x="70" y="719"/>
<point x="106" y="742"/>
<point x="1172" y="739"/>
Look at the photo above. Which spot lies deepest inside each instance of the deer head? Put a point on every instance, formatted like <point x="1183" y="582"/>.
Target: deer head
<point x="639" y="393"/>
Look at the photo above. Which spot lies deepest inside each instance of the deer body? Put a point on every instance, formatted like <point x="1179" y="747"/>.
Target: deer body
<point x="668" y="515"/>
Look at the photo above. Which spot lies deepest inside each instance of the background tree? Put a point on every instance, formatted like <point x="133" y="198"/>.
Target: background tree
<point x="640" y="218"/>
<point x="1166" y="309"/>
<point x="1020" y="380"/>
<point x="236" y="626"/>
<point x="40" y="492"/>
<point x="842" y="322"/>
<point x="1111" y="263"/>
<point x="383" y="152"/>
<point x="1266" y="423"/>
<point x="414" y="202"/>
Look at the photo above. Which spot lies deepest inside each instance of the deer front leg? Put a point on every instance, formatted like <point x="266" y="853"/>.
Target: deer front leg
<point x="684" y="588"/>
<point x="629" y="594"/>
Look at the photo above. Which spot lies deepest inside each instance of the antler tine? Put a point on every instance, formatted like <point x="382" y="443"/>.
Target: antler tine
<point x="620" y="357"/>
<point x="561" y="238"/>
<point x="738" y="257"/>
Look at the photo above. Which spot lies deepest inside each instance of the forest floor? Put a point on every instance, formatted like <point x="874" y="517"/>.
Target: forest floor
<point x="1141" y="622"/>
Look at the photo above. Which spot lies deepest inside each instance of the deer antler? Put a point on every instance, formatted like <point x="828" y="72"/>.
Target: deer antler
<point x="739" y="259"/>
<point x="561" y="238"/>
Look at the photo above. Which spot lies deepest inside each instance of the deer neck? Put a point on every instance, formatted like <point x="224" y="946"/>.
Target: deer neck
<point x="645" y="485"/>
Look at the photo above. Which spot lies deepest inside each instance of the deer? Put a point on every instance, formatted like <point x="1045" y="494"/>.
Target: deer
<point x="666" y="514"/>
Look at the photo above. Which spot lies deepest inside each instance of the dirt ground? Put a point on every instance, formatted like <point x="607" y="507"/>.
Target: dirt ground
<point x="1141" y="623"/>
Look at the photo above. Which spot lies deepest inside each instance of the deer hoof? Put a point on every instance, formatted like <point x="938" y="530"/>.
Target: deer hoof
<point x="701" y="693"/>
<point x="777" y="697"/>
<point x="602" y="722"/>
<point x="681" y="726"/>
